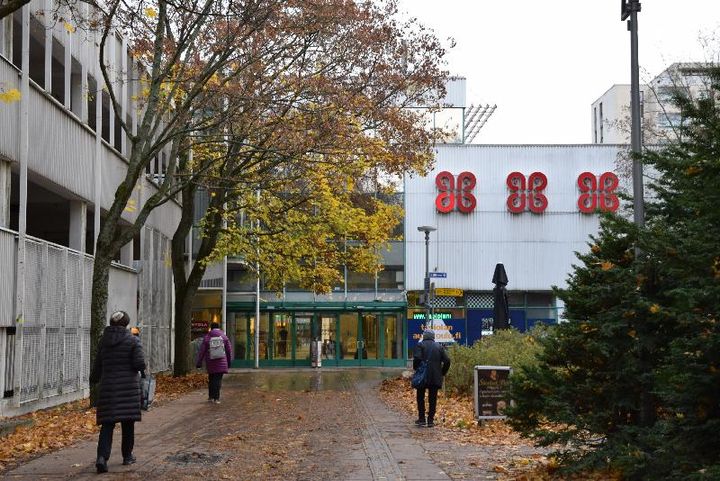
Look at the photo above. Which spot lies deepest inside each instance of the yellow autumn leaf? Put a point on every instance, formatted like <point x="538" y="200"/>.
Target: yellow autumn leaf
<point x="12" y="95"/>
<point x="131" y="206"/>
<point x="655" y="308"/>
<point x="693" y="169"/>
<point x="150" y="12"/>
<point x="70" y="28"/>
<point x="607" y="265"/>
<point x="632" y="333"/>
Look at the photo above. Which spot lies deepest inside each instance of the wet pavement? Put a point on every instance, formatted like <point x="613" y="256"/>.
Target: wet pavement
<point x="272" y="424"/>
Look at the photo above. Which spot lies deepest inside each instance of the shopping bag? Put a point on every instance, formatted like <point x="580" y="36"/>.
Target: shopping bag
<point x="147" y="390"/>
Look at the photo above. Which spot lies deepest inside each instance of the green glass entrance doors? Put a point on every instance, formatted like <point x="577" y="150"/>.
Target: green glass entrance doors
<point x="359" y="339"/>
<point x="328" y="335"/>
<point x="347" y="338"/>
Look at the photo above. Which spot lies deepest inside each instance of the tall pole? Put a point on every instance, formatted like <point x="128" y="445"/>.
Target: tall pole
<point x="631" y="8"/>
<point x="427" y="230"/>
<point x="427" y="279"/>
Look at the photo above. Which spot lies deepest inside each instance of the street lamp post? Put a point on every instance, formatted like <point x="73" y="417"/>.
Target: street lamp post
<point x="630" y="8"/>
<point x="427" y="230"/>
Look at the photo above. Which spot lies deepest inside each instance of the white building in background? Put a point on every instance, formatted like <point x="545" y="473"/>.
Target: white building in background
<point x="530" y="207"/>
<point x="611" y="111"/>
<point x="61" y="157"/>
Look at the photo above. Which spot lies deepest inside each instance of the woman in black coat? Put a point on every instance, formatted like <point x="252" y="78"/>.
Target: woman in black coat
<point x="118" y="361"/>
<point x="438" y="364"/>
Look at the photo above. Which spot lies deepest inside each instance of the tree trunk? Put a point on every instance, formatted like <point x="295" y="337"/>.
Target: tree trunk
<point x="187" y="286"/>
<point x="98" y="306"/>
<point x="183" y="302"/>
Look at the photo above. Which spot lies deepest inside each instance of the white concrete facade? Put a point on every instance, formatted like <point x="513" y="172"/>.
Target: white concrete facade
<point x="537" y="249"/>
<point x="61" y="158"/>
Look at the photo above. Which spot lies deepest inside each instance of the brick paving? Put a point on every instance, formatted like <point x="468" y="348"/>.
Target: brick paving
<point x="274" y="424"/>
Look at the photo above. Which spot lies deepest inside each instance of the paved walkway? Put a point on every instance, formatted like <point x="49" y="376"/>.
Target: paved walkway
<point x="181" y="439"/>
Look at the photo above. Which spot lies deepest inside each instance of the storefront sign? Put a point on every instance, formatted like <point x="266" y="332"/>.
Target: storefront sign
<point x="527" y="192"/>
<point x="446" y="291"/>
<point x="597" y="195"/>
<point x="447" y="331"/>
<point x="491" y="386"/>
<point x="455" y="194"/>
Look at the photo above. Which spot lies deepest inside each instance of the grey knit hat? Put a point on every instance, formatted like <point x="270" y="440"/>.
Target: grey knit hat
<point x="428" y="334"/>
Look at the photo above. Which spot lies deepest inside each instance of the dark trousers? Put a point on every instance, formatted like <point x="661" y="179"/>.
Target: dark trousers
<point x="106" y="436"/>
<point x="432" y="401"/>
<point x="214" y="385"/>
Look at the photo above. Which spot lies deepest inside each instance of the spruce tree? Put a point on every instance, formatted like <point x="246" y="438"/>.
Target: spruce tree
<point x="632" y="380"/>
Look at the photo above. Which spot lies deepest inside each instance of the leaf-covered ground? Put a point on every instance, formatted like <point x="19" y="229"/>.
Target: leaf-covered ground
<point x="492" y="447"/>
<point x="48" y="430"/>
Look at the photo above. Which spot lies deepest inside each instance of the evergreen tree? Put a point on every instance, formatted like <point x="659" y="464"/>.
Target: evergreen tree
<point x="632" y="380"/>
<point x="685" y="218"/>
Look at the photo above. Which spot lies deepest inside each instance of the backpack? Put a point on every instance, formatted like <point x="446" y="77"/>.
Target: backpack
<point x="420" y="376"/>
<point x="217" y="348"/>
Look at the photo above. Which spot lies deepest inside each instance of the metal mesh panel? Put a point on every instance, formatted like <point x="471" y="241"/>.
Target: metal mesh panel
<point x="71" y="361"/>
<point x="9" y="361"/>
<point x="7" y="278"/>
<point x="34" y="256"/>
<point x="73" y="306"/>
<point x="56" y="276"/>
<point x="87" y="290"/>
<point x="479" y="301"/>
<point x="53" y="360"/>
<point x="29" y="385"/>
<point x="85" y="354"/>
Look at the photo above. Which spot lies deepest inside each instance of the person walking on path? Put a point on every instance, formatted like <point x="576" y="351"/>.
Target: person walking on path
<point x="118" y="361"/>
<point x="216" y="352"/>
<point x="438" y="364"/>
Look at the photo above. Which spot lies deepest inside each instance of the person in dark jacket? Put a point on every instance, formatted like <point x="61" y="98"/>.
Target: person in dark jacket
<point x="437" y="366"/>
<point x="215" y="367"/>
<point x="118" y="361"/>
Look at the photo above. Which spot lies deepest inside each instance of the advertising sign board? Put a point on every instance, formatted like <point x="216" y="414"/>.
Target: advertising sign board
<point x="490" y="393"/>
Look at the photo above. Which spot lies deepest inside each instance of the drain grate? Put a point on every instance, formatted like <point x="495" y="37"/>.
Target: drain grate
<point x="194" y="458"/>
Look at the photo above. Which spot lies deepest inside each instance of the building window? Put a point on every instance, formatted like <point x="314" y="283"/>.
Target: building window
<point x="602" y="135"/>
<point x="595" y="137"/>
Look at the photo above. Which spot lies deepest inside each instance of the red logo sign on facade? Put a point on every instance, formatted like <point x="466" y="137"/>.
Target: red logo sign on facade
<point x="455" y="194"/>
<point x="527" y="194"/>
<point x="597" y="195"/>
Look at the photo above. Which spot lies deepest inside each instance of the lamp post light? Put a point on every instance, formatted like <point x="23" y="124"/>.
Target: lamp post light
<point x="427" y="230"/>
<point x="630" y="8"/>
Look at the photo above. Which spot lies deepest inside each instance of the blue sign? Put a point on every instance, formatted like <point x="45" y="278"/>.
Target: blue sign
<point x="438" y="274"/>
<point x="447" y="330"/>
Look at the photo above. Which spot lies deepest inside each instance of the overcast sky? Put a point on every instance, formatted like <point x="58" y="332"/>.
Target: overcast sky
<point x="543" y="62"/>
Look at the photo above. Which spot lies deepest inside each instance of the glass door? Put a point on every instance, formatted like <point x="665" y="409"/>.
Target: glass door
<point x="328" y="336"/>
<point x="359" y="339"/>
<point x="302" y="337"/>
<point x="392" y="340"/>
<point x="370" y="340"/>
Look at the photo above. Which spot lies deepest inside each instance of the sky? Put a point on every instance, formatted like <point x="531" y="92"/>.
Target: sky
<point x="544" y="62"/>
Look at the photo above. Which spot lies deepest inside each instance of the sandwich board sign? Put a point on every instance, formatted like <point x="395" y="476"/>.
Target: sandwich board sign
<point x="490" y="391"/>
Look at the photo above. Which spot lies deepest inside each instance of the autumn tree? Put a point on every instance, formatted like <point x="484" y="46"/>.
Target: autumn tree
<point x="178" y="49"/>
<point x="304" y="126"/>
<point x="7" y="7"/>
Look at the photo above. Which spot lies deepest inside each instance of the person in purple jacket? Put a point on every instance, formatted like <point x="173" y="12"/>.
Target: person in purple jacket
<point x="216" y="352"/>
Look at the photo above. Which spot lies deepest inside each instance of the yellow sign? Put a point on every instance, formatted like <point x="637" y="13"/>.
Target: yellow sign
<point x="444" y="291"/>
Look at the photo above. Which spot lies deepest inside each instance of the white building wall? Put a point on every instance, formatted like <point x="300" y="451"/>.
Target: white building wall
<point x="44" y="327"/>
<point x="536" y="249"/>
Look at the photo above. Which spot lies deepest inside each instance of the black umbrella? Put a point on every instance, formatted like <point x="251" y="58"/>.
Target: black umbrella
<point x="501" y="313"/>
